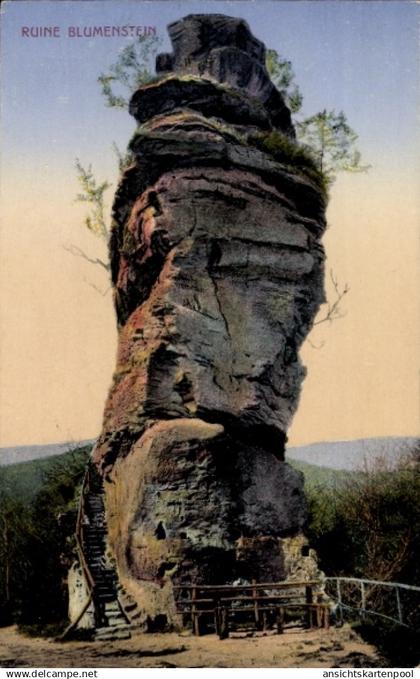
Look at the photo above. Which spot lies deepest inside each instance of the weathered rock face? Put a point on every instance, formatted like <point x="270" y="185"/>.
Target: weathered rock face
<point x="218" y="273"/>
<point x="223" y="49"/>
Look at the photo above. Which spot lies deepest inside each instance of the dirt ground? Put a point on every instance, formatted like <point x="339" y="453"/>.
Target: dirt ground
<point x="337" y="647"/>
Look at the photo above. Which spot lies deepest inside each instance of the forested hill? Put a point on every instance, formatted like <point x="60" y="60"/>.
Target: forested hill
<point x="351" y="455"/>
<point x="348" y="455"/>
<point x="17" y="454"/>
<point x="24" y="480"/>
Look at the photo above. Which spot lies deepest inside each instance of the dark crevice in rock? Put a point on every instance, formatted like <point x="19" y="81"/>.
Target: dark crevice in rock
<point x="215" y="194"/>
<point x="113" y="447"/>
<point x="204" y="96"/>
<point x="281" y="247"/>
<point x="213" y="257"/>
<point x="160" y="157"/>
<point x="264" y="436"/>
<point x="145" y="264"/>
<point x="164" y="567"/>
<point x="154" y="202"/>
<point x="160" y="531"/>
<point x="185" y="388"/>
<point x="158" y="623"/>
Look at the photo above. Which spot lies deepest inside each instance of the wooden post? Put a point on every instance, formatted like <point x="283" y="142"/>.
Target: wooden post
<point x="340" y="609"/>
<point x="280" y="619"/>
<point x="217" y="617"/>
<point x="224" y="623"/>
<point x="194" y="613"/>
<point x="399" y="607"/>
<point x="363" y="598"/>
<point x="326" y="617"/>
<point x="309" y="601"/>
<point x="320" y="611"/>
<point x="264" y="621"/>
<point x="256" y="610"/>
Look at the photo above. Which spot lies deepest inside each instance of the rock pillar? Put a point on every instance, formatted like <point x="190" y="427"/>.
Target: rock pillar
<point x="217" y="270"/>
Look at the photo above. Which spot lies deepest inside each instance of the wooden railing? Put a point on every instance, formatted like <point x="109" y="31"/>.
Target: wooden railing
<point x="89" y="579"/>
<point x="265" y="603"/>
<point x="393" y="601"/>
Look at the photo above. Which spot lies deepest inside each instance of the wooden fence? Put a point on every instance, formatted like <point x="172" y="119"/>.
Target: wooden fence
<point x="261" y="605"/>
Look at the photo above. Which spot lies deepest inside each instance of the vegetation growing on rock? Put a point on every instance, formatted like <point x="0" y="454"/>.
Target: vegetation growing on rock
<point x="293" y="155"/>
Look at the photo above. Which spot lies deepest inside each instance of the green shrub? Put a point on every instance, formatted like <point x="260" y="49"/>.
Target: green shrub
<point x="36" y="538"/>
<point x="400" y="646"/>
<point x="295" y="156"/>
<point x="369" y="525"/>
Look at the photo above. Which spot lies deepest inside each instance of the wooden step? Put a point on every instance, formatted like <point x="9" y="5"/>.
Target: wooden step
<point x="110" y="633"/>
<point x="113" y="623"/>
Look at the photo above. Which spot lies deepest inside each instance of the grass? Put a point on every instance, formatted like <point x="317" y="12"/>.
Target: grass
<point x="185" y="120"/>
<point x="290" y="153"/>
<point x="316" y="476"/>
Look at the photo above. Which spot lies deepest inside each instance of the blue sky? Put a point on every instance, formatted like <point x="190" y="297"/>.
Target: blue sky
<point x="355" y="56"/>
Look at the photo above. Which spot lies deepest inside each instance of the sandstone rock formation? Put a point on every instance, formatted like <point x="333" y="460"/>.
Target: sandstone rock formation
<point x="217" y="269"/>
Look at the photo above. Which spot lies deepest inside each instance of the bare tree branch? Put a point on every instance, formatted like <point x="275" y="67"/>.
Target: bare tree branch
<point x="334" y="312"/>
<point x="316" y="346"/>
<point x="103" y="293"/>
<point x="77" y="252"/>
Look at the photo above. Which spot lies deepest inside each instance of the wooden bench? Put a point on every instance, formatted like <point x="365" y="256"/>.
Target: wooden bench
<point x="266" y="603"/>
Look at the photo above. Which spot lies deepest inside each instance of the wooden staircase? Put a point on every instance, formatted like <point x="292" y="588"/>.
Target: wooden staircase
<point x="111" y="621"/>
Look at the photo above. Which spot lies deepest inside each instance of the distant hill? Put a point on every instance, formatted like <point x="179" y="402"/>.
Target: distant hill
<point x="351" y="455"/>
<point x="346" y="455"/>
<point x="17" y="454"/>
<point x="24" y="480"/>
